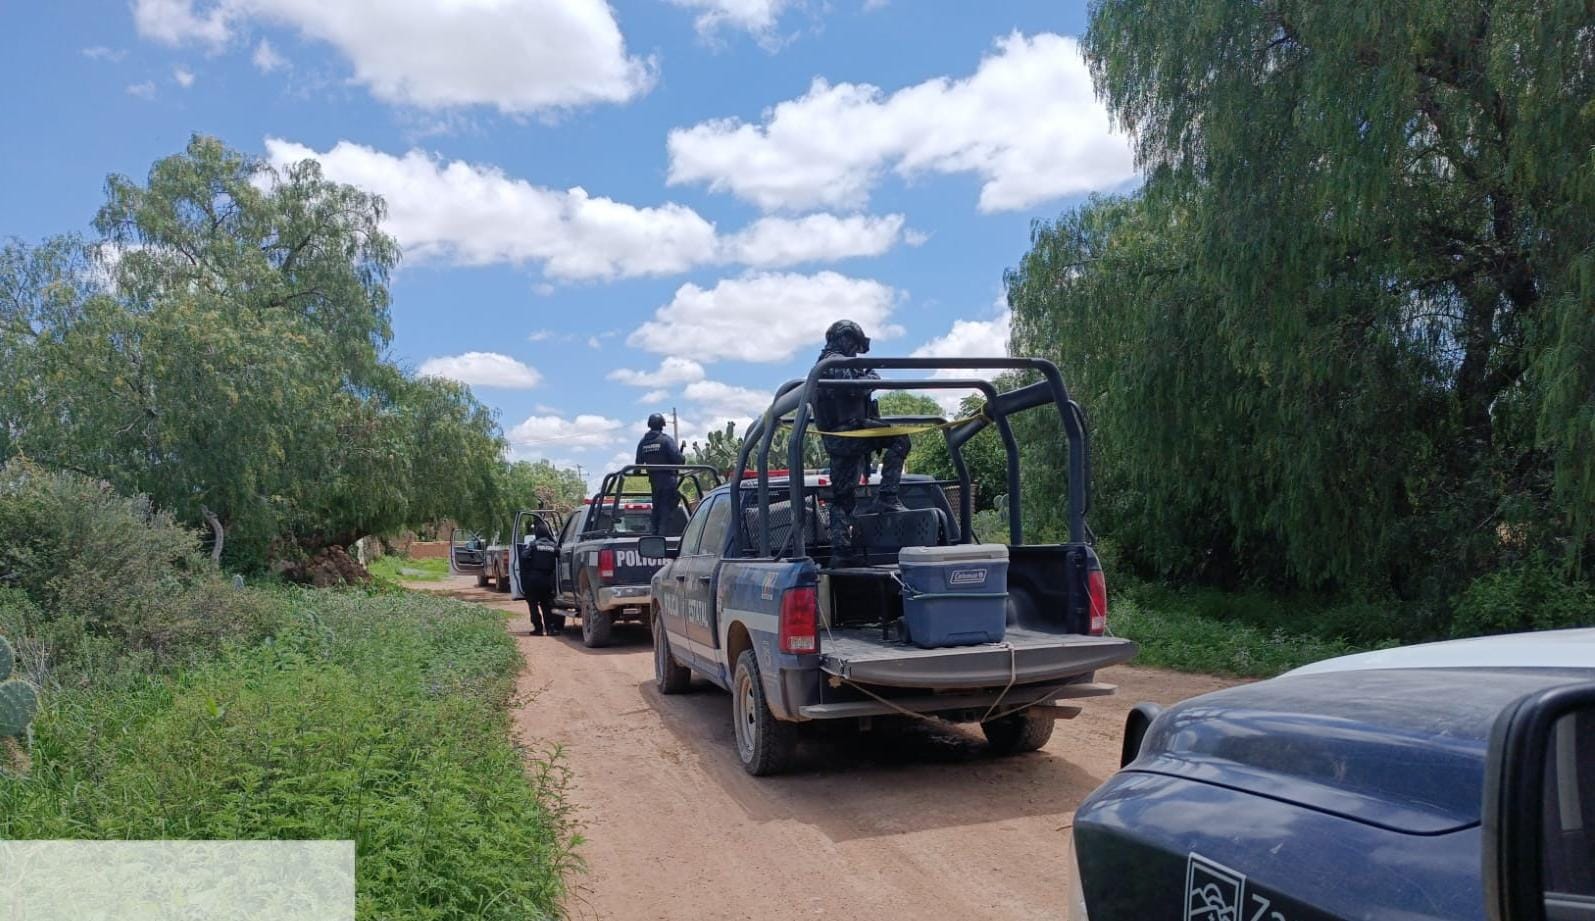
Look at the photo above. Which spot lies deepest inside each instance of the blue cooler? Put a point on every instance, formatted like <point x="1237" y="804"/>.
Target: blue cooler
<point x="955" y="596"/>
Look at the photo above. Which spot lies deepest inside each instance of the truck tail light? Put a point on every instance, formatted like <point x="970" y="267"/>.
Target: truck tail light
<point x="606" y="565"/>
<point x="1098" y="585"/>
<point x="799" y="607"/>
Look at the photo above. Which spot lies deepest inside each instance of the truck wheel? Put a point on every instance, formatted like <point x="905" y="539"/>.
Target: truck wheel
<point x="668" y="676"/>
<point x="481" y="580"/>
<point x="1024" y="731"/>
<point x="596" y="624"/>
<point x="765" y="744"/>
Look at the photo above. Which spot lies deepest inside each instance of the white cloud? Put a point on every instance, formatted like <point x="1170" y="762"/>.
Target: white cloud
<point x="145" y="90"/>
<point x="519" y="56"/>
<point x="476" y="215"/>
<point x="593" y="342"/>
<point x="540" y="335"/>
<point x="969" y="339"/>
<point x="755" y="16"/>
<point x="266" y="58"/>
<point x="484" y="369"/>
<point x="472" y="214"/>
<point x="726" y="401"/>
<point x="1027" y="122"/>
<point x="102" y="53"/>
<point x="672" y="370"/>
<point x="184" y="78"/>
<point x="540" y="433"/>
<point x="775" y="242"/>
<point x="765" y="316"/>
<point x="654" y="397"/>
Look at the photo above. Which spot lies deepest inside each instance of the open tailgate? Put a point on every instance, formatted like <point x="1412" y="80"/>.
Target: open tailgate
<point x="1024" y="657"/>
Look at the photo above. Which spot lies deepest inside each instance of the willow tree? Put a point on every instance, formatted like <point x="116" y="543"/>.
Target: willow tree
<point x="219" y="348"/>
<point x="1344" y="331"/>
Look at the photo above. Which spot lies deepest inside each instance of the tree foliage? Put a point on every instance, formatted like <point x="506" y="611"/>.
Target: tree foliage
<point x="220" y="348"/>
<point x="1343" y="336"/>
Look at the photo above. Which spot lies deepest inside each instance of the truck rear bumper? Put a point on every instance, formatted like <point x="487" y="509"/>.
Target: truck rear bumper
<point x="1026" y="657"/>
<point x="624" y="596"/>
<point x="979" y="700"/>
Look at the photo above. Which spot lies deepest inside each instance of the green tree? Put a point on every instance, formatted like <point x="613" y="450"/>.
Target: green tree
<point x="1342" y="335"/>
<point x="219" y="349"/>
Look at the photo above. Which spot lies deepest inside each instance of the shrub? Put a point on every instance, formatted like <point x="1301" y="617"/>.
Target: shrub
<point x="107" y="576"/>
<point x="1534" y="595"/>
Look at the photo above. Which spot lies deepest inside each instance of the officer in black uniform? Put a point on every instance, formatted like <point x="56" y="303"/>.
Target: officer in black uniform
<point x="538" y="557"/>
<point x="838" y="410"/>
<point x="658" y="448"/>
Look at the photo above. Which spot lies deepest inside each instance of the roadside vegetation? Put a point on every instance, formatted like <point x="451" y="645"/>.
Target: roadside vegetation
<point x="177" y="704"/>
<point x="395" y="568"/>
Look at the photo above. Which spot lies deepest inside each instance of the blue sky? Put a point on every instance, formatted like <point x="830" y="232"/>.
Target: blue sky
<point x="686" y="189"/>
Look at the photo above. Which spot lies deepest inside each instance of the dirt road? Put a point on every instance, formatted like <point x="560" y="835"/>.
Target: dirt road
<point x="923" y="825"/>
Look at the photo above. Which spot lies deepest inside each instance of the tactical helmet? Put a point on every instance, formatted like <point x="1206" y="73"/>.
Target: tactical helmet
<point x="656" y="422"/>
<point x="843" y="329"/>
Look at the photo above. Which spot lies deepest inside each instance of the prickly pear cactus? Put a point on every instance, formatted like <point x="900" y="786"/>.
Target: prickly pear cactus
<point x="18" y="700"/>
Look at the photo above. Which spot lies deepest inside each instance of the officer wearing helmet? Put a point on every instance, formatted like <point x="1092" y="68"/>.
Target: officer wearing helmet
<point x="839" y="410"/>
<point x="658" y="448"/>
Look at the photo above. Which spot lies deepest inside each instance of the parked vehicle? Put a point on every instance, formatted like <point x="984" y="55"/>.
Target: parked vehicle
<point x="601" y="573"/>
<point x="1449" y="781"/>
<point x="497" y="568"/>
<point x="934" y="623"/>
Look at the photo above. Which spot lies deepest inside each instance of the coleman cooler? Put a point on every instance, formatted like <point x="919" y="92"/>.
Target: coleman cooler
<point x="955" y="596"/>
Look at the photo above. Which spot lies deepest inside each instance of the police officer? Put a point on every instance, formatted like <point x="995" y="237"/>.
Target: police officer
<point x="658" y="448"/>
<point x="839" y="410"/>
<point x="538" y="556"/>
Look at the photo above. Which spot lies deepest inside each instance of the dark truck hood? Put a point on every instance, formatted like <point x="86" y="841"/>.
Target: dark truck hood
<point x="1401" y="749"/>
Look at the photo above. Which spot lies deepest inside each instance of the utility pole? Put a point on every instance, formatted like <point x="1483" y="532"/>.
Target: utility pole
<point x="675" y="425"/>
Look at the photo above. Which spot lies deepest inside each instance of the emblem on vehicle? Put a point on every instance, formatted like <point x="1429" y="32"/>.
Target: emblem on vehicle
<point x="1213" y="892"/>
<point x="967" y="577"/>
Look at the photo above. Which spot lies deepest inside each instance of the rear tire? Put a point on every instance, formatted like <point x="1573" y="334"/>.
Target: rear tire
<point x="765" y="745"/>
<point x="481" y="580"/>
<point x="1015" y="733"/>
<point x="669" y="677"/>
<point x="596" y="625"/>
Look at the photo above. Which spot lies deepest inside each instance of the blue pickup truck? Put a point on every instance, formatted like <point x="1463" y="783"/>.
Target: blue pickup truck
<point x="932" y="623"/>
<point x="1449" y="781"/>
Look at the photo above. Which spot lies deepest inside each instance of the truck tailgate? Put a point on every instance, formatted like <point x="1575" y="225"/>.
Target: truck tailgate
<point x="1024" y="657"/>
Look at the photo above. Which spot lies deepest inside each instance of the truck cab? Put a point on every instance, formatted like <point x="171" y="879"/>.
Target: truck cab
<point x="932" y="623"/>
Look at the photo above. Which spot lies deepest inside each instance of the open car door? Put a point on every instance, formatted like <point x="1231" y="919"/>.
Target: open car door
<point x="467" y="554"/>
<point x="521" y="532"/>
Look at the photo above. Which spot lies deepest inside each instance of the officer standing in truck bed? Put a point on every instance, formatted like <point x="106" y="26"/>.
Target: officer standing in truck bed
<point x="658" y="448"/>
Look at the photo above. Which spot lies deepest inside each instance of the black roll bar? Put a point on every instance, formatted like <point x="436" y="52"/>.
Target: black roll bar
<point x="1049" y="389"/>
<point x="614" y="483"/>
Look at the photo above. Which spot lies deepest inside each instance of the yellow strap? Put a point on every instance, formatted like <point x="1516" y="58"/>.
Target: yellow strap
<point x="892" y="431"/>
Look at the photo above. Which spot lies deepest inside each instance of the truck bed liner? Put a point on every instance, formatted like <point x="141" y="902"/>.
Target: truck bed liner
<point x="1027" y="656"/>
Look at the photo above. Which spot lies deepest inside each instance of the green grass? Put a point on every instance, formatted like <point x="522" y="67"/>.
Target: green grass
<point x="1246" y="634"/>
<point x="404" y="569"/>
<point x="380" y="718"/>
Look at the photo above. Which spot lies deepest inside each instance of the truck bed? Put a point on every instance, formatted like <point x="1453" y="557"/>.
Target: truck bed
<point x="1027" y="656"/>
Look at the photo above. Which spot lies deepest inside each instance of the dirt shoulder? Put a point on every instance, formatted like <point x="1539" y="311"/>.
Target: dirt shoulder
<point x="922" y="824"/>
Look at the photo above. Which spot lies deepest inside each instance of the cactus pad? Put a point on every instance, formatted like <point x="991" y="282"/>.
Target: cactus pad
<point x="18" y="700"/>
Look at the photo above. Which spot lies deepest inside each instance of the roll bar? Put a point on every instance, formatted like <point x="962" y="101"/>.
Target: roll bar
<point x="796" y="397"/>
<point x="614" y="483"/>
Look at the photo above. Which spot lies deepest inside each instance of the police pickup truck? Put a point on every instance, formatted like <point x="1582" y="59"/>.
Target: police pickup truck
<point x="932" y="623"/>
<point x="1449" y="781"/>
<point x="601" y="573"/>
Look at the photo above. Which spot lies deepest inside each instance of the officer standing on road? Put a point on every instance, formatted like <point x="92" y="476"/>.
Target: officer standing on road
<point x="839" y="410"/>
<point x="658" y="448"/>
<point x="538" y="556"/>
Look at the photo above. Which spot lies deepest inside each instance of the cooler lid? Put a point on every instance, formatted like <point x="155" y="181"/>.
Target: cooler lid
<point x="958" y="553"/>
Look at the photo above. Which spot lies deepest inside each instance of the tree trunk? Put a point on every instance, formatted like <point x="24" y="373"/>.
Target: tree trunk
<point x="216" y="529"/>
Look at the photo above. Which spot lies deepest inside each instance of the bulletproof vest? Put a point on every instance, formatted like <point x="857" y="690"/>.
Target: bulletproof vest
<point x="541" y="555"/>
<point x="655" y="448"/>
<point x="841" y="410"/>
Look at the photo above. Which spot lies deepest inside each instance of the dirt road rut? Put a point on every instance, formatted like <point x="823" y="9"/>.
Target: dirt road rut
<point x="918" y="825"/>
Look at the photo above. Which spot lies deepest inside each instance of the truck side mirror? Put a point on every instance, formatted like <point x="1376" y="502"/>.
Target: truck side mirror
<point x="656" y="548"/>
<point x="1539" y="808"/>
